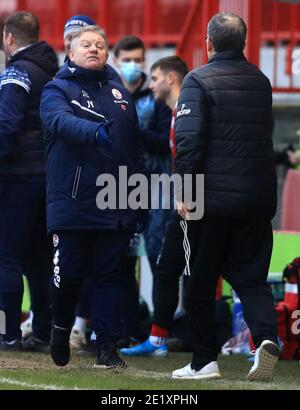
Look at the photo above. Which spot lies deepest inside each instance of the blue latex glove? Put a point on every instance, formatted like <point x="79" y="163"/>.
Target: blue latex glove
<point x="102" y="135"/>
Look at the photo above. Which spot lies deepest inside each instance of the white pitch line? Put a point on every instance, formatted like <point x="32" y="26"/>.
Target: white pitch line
<point x="5" y="380"/>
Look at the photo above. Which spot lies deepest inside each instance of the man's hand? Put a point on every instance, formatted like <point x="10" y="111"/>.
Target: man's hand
<point x="102" y="135"/>
<point x="183" y="209"/>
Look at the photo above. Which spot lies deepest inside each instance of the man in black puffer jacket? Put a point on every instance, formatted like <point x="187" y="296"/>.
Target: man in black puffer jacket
<point x="224" y="131"/>
<point x="23" y="237"/>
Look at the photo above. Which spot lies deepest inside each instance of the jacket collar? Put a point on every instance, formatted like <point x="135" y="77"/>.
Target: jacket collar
<point x="227" y="55"/>
<point x="38" y="53"/>
<point x="71" y="70"/>
<point x="18" y="50"/>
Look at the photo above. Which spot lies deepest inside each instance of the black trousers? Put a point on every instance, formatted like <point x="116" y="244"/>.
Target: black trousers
<point x="170" y="265"/>
<point x="24" y="248"/>
<point x="102" y="255"/>
<point x="240" y="250"/>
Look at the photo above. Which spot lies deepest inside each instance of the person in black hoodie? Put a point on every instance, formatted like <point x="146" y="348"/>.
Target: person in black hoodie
<point x="224" y="130"/>
<point x="23" y="238"/>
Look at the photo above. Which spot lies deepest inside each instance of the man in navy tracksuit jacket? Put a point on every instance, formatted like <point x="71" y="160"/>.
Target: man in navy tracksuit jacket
<point x="77" y="337"/>
<point x="23" y="236"/>
<point x="91" y="128"/>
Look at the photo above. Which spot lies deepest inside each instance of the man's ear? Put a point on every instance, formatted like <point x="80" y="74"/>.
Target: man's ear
<point x="71" y="54"/>
<point x="115" y="62"/>
<point x="9" y="38"/>
<point x="209" y="46"/>
<point x="171" y="77"/>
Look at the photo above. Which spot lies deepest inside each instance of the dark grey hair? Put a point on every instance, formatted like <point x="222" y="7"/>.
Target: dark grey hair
<point x="227" y="31"/>
<point x="24" y="26"/>
<point x="172" y="63"/>
<point x="86" y="29"/>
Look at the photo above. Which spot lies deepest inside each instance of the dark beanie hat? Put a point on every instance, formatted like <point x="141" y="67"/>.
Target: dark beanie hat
<point x="75" y="23"/>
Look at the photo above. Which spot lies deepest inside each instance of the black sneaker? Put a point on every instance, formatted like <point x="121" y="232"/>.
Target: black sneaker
<point x="32" y="344"/>
<point x="59" y="346"/>
<point x="109" y="359"/>
<point x="127" y="342"/>
<point x="88" y="351"/>
<point x="10" y="346"/>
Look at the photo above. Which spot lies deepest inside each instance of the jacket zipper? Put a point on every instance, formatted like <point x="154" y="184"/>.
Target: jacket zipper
<point x="76" y="182"/>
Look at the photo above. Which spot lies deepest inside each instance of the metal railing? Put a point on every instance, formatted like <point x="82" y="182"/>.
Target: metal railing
<point x="273" y="28"/>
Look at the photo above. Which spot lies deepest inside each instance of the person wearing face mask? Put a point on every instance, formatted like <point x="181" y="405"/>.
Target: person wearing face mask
<point x="154" y="120"/>
<point x="154" y="117"/>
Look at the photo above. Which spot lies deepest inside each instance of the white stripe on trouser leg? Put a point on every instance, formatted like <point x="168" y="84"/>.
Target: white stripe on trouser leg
<point x="56" y="269"/>
<point x="186" y="247"/>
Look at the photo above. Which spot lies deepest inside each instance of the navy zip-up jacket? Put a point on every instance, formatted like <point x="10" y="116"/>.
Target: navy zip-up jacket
<point x="155" y="121"/>
<point x="111" y="72"/>
<point x="73" y="107"/>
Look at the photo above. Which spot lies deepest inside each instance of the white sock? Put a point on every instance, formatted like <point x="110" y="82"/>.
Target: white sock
<point x="157" y="341"/>
<point x="80" y="324"/>
<point x="93" y="337"/>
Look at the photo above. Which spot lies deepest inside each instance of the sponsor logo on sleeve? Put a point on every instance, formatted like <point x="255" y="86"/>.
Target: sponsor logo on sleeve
<point x="183" y="111"/>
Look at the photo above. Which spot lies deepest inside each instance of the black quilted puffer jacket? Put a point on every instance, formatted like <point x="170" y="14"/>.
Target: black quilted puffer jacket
<point x="224" y="130"/>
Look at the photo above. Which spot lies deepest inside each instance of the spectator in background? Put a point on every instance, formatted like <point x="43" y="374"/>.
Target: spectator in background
<point x="225" y="133"/>
<point x="154" y="120"/>
<point x="23" y="238"/>
<point x="88" y="134"/>
<point x="167" y="75"/>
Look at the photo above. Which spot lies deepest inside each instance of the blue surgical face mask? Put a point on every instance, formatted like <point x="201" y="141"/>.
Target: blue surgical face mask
<point x="131" y="72"/>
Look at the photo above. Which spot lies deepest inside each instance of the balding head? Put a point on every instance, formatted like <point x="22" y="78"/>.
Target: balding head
<point x="227" y="31"/>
